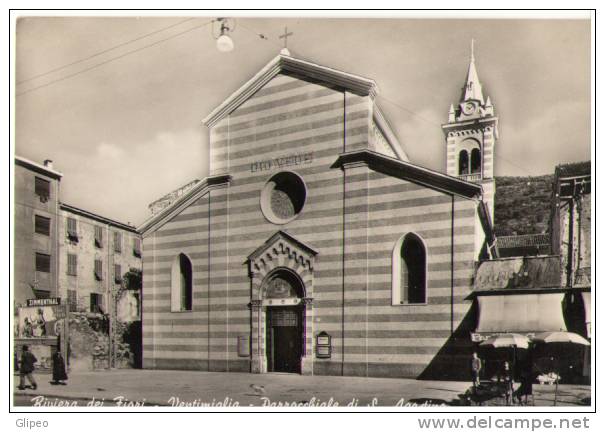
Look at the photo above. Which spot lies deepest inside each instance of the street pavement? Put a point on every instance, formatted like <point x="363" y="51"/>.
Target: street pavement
<point x="134" y="388"/>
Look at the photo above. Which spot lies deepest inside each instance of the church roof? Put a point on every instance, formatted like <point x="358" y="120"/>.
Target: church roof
<point x="285" y="63"/>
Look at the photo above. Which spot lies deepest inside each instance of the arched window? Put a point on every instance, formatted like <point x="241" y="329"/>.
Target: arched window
<point x="463" y="162"/>
<point x="181" y="296"/>
<point x="475" y="161"/>
<point x="409" y="271"/>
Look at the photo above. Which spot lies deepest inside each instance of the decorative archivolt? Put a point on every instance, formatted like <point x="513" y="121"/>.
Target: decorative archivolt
<point x="281" y="250"/>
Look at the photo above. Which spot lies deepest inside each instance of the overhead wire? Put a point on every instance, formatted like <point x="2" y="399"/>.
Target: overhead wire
<point x="120" y="45"/>
<point x="113" y="59"/>
<point x="258" y="34"/>
<point x="415" y="114"/>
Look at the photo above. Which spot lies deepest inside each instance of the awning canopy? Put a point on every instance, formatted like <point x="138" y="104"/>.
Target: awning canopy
<point x="586" y="297"/>
<point x="520" y="313"/>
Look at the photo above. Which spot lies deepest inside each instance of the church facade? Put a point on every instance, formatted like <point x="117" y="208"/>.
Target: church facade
<point x="315" y="246"/>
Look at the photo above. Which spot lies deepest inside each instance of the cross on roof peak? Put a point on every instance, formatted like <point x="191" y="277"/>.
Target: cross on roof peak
<point x="285" y="37"/>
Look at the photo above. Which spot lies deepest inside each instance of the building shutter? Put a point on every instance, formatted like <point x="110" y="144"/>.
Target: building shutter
<point x="43" y="263"/>
<point x="117" y="271"/>
<point x="98" y="236"/>
<point x="72" y="300"/>
<point x="72" y="264"/>
<point x="98" y="269"/>
<point x="72" y="229"/>
<point x="42" y="225"/>
<point x="117" y="242"/>
<point x="136" y="248"/>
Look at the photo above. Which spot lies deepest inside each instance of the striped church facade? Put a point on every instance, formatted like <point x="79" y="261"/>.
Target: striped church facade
<point x="339" y="251"/>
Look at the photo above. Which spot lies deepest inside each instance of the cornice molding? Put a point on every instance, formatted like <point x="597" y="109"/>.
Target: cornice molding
<point x="284" y="63"/>
<point x="408" y="171"/>
<point x="157" y="221"/>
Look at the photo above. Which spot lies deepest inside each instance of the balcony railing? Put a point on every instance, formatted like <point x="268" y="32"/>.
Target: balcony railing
<point x="470" y="177"/>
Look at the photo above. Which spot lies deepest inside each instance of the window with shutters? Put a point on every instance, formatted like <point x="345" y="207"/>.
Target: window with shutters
<point x="409" y="271"/>
<point x="72" y="300"/>
<point x="72" y="229"/>
<point x="42" y="262"/>
<point x="72" y="264"/>
<point x="42" y="189"/>
<point x="117" y="242"/>
<point x="136" y="247"/>
<point x="117" y="273"/>
<point x="42" y="225"/>
<point x="181" y="284"/>
<point x="99" y="237"/>
<point x="98" y="269"/>
<point x="96" y="303"/>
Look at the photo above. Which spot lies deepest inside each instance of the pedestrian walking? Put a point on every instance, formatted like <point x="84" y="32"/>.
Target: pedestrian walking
<point x="59" y="373"/>
<point x="26" y="368"/>
<point x="476" y="369"/>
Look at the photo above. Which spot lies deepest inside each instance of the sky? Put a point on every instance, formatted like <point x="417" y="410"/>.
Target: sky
<point x="117" y="102"/>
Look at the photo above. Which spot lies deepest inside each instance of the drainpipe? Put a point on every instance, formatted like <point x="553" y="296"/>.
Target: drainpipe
<point x="344" y="233"/>
<point x="452" y="271"/>
<point x="109" y="303"/>
<point x="56" y="242"/>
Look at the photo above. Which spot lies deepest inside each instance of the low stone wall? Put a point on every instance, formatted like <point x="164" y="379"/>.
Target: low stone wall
<point x="89" y="343"/>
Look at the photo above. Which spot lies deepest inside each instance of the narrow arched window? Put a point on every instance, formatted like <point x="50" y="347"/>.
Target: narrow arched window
<point x="409" y="270"/>
<point x="463" y="162"/>
<point x="181" y="295"/>
<point x="475" y="161"/>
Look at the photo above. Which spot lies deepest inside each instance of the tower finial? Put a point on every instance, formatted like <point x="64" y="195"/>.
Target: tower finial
<point x="473" y="50"/>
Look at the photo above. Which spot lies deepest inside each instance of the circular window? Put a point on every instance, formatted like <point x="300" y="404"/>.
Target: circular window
<point x="283" y="197"/>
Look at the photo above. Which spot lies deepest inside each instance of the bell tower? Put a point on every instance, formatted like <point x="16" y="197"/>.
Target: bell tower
<point x="471" y="134"/>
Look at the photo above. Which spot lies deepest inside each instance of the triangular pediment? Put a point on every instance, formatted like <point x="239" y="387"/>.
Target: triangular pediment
<point x="280" y="245"/>
<point x="289" y="65"/>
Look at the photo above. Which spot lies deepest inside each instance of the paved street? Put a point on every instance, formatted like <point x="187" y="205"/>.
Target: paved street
<point x="187" y="388"/>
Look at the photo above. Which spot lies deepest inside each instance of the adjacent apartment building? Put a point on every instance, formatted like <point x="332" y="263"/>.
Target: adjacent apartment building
<point x="63" y="251"/>
<point x="36" y="228"/>
<point x="95" y="252"/>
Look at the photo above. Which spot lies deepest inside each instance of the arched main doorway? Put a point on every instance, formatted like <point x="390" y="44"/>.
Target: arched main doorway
<point x="282" y="295"/>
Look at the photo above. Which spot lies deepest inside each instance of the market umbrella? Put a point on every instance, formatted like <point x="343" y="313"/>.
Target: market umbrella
<point x="506" y="340"/>
<point x="559" y="338"/>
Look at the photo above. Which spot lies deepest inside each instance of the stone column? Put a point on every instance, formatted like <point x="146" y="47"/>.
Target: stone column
<point x="259" y="364"/>
<point x="306" y="362"/>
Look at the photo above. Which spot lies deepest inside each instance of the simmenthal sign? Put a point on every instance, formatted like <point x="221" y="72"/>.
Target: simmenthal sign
<point x="281" y="162"/>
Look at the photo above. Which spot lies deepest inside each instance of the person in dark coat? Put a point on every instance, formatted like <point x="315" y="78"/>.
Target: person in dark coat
<point x="59" y="373"/>
<point x="476" y="369"/>
<point x="507" y="376"/>
<point x="527" y="383"/>
<point x="26" y="368"/>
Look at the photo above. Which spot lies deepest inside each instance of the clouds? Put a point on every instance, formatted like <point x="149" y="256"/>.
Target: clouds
<point x="119" y="180"/>
<point x="109" y="151"/>
<point x="536" y="145"/>
<point x="128" y="132"/>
